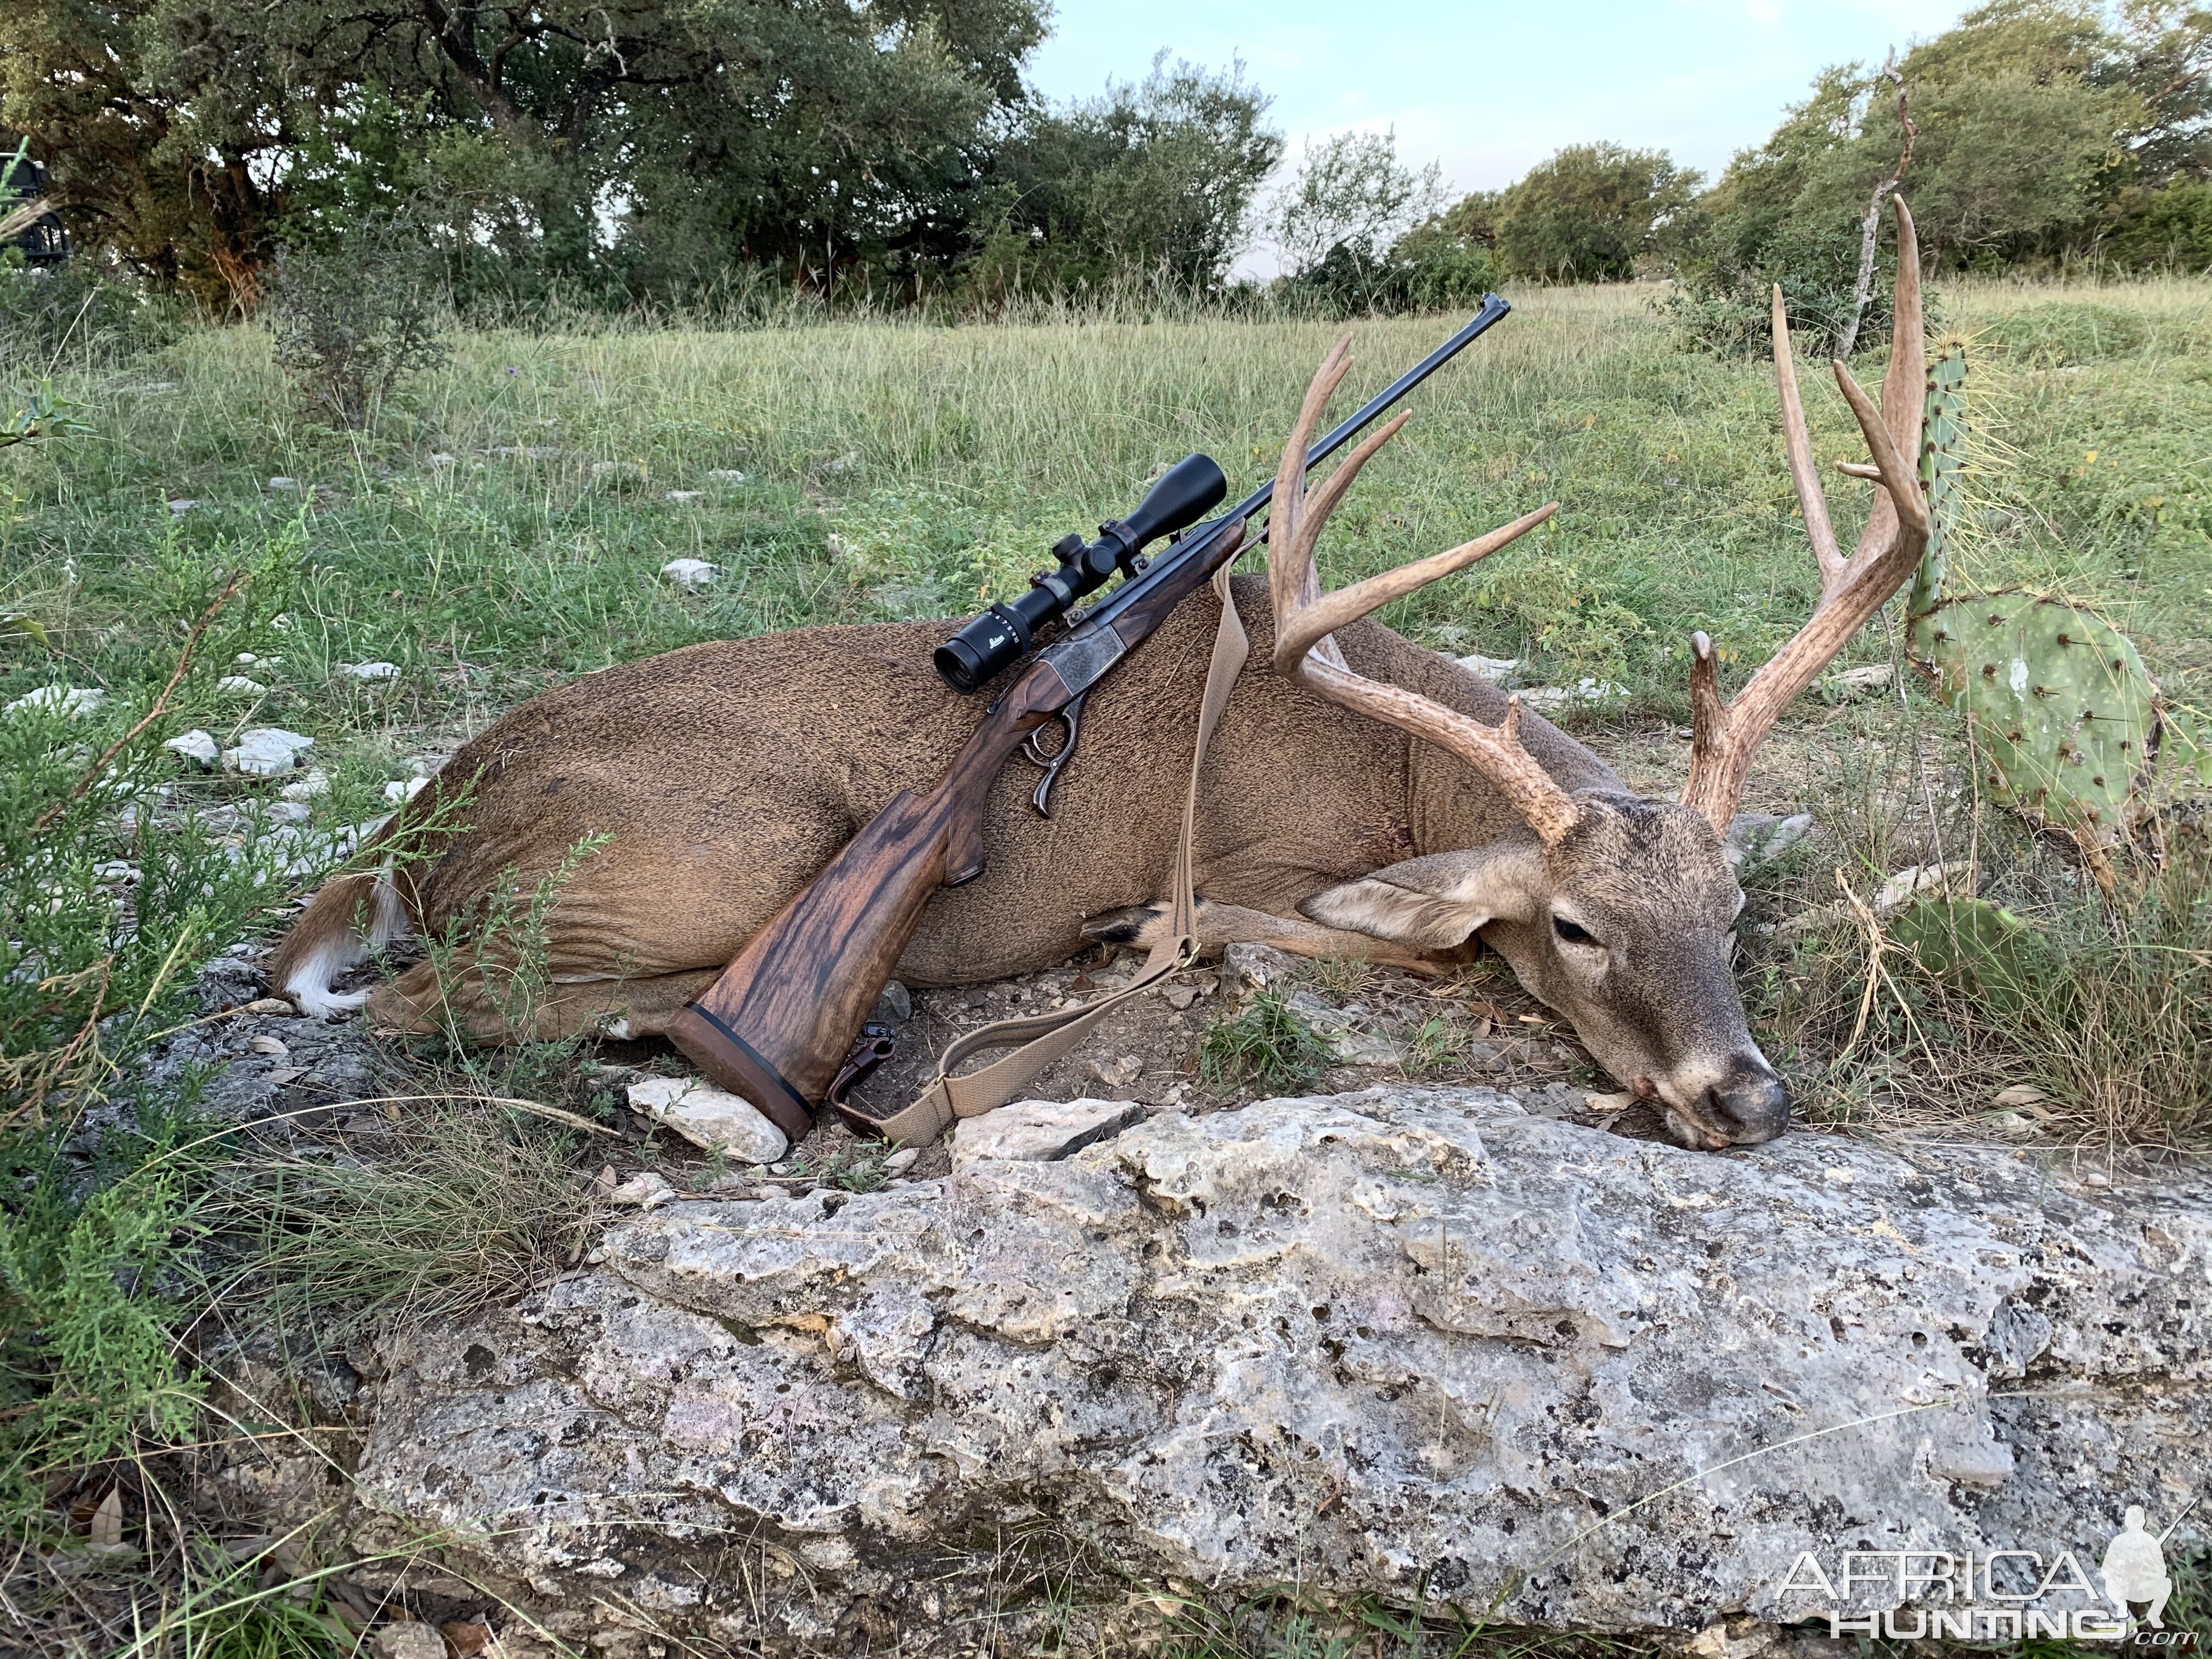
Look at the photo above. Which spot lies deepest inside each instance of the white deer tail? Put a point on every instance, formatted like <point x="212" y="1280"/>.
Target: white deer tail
<point x="350" y="918"/>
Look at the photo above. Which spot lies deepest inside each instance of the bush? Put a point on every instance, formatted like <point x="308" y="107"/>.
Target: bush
<point x="352" y="317"/>
<point x="1725" y="303"/>
<point x="2169" y="228"/>
<point x="73" y="310"/>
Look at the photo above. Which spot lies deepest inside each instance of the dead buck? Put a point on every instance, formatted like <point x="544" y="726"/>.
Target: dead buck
<point x="1367" y="796"/>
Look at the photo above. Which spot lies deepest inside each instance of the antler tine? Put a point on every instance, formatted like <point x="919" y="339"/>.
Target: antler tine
<point x="1287" y="515"/>
<point x="1331" y="611"/>
<point x="1904" y="384"/>
<point x="1799" y="444"/>
<point x="1305" y="619"/>
<point x="1725" y="735"/>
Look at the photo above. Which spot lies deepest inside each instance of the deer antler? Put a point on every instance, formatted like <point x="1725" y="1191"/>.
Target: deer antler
<point x="1306" y="617"/>
<point x="1725" y="735"/>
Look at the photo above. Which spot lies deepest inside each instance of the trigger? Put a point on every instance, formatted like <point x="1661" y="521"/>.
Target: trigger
<point x="1071" y="720"/>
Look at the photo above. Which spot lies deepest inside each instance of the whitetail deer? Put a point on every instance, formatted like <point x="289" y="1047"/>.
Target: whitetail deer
<point x="726" y="775"/>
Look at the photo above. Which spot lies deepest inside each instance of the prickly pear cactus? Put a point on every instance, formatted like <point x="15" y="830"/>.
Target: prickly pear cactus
<point x="1973" y="945"/>
<point x="2065" y="715"/>
<point x="2067" y="719"/>
<point x="1942" y="460"/>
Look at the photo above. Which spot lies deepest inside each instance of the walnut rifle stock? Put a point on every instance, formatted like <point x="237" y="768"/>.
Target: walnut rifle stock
<point x="778" y="1024"/>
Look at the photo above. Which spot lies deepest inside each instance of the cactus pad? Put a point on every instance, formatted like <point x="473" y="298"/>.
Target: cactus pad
<point x="1973" y="946"/>
<point x="1942" y="462"/>
<point x="2064" y="716"/>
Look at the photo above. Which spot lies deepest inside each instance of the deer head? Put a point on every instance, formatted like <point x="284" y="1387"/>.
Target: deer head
<point x="1617" y="911"/>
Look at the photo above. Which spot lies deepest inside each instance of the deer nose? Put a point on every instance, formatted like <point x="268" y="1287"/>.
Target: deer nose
<point x="1747" y="1105"/>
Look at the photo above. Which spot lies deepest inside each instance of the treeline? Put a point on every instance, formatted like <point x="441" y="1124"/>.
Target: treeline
<point x="641" y="150"/>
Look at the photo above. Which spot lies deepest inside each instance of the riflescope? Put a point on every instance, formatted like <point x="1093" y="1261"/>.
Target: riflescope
<point x="1186" y="493"/>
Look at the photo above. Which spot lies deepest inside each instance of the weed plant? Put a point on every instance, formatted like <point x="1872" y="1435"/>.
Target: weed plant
<point x="1265" y="1046"/>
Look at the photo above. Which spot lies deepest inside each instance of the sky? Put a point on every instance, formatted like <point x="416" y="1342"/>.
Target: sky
<point x="1486" y="88"/>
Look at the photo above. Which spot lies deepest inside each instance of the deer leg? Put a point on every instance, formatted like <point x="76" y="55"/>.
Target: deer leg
<point x="1221" y="925"/>
<point x="619" y="1008"/>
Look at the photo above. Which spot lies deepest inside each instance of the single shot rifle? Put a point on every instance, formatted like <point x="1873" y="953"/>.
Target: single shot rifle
<point x="778" y="1027"/>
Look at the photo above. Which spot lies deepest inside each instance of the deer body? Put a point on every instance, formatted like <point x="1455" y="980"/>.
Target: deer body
<point x="1364" y="795"/>
<point x="724" y="775"/>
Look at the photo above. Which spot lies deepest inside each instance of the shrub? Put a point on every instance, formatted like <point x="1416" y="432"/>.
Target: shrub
<point x="351" y="317"/>
<point x="1725" y="303"/>
<point x="2169" y="228"/>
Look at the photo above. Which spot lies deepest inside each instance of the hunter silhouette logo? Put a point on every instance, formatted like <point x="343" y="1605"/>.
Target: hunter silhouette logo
<point x="2135" y="1569"/>
<point x="1984" y="1593"/>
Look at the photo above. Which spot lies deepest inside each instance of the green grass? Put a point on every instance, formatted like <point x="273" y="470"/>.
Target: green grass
<point x="905" y="469"/>
<point x="1264" y="1046"/>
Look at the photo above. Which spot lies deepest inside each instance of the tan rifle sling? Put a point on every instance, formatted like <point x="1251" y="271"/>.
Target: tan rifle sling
<point x="1046" y="1037"/>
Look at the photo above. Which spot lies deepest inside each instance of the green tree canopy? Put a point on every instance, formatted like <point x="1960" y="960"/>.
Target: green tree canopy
<point x="1590" y="212"/>
<point x="180" y="133"/>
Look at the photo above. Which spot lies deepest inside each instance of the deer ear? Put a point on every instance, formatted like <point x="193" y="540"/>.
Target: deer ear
<point x="1435" y="902"/>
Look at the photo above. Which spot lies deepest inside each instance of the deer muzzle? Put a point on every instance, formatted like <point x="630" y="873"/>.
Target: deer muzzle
<point x="1742" y="1103"/>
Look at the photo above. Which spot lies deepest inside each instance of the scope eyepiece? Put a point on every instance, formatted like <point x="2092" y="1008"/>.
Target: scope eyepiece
<point x="1185" y="493"/>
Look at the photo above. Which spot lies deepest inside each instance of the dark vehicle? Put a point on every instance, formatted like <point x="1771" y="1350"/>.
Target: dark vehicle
<point x="43" y="242"/>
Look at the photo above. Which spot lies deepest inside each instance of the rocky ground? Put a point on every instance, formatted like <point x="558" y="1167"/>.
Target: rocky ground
<point x="1085" y="1373"/>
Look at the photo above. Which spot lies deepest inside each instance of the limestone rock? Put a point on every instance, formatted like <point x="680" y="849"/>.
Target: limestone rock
<point x="1250" y="968"/>
<point x="1402" y="1343"/>
<point x="710" y="1118"/>
<point x="1040" y="1131"/>
<point x="74" y="701"/>
<point x="266" y="751"/>
<point x="690" y="574"/>
<point x="373" y="671"/>
<point x="195" y="746"/>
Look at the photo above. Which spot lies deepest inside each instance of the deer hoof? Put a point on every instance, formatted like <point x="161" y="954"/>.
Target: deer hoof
<point x="1139" y="925"/>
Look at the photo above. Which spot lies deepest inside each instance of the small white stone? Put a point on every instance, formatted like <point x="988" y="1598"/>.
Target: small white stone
<point x="680" y="496"/>
<point x="646" y="1192"/>
<point x="1864" y="682"/>
<point x="283" y="483"/>
<point x="238" y="686"/>
<point x="267" y="751"/>
<point x="710" y="1118"/>
<point x="195" y="746"/>
<point x="726" y="475"/>
<point x="245" y="660"/>
<point x="374" y="671"/>
<point x="690" y="574"/>
<point x="72" y="700"/>
<point x="1040" y="1131"/>
<point x="284" y="812"/>
<point x="182" y="505"/>
<point x="313" y="787"/>
<point x="1497" y="670"/>
<point x="441" y="458"/>
<point x="1583" y="690"/>
<point x="902" y="1160"/>
<point x="404" y="789"/>
<point x="414" y="1639"/>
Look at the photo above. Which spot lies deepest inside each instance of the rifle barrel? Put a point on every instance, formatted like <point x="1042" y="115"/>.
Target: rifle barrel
<point x="1493" y="308"/>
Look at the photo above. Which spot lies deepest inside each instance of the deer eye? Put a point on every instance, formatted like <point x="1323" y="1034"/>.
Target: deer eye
<point x="1572" y="933"/>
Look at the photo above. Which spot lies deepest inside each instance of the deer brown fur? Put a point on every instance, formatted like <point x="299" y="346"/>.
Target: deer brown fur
<point x="1363" y="795"/>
